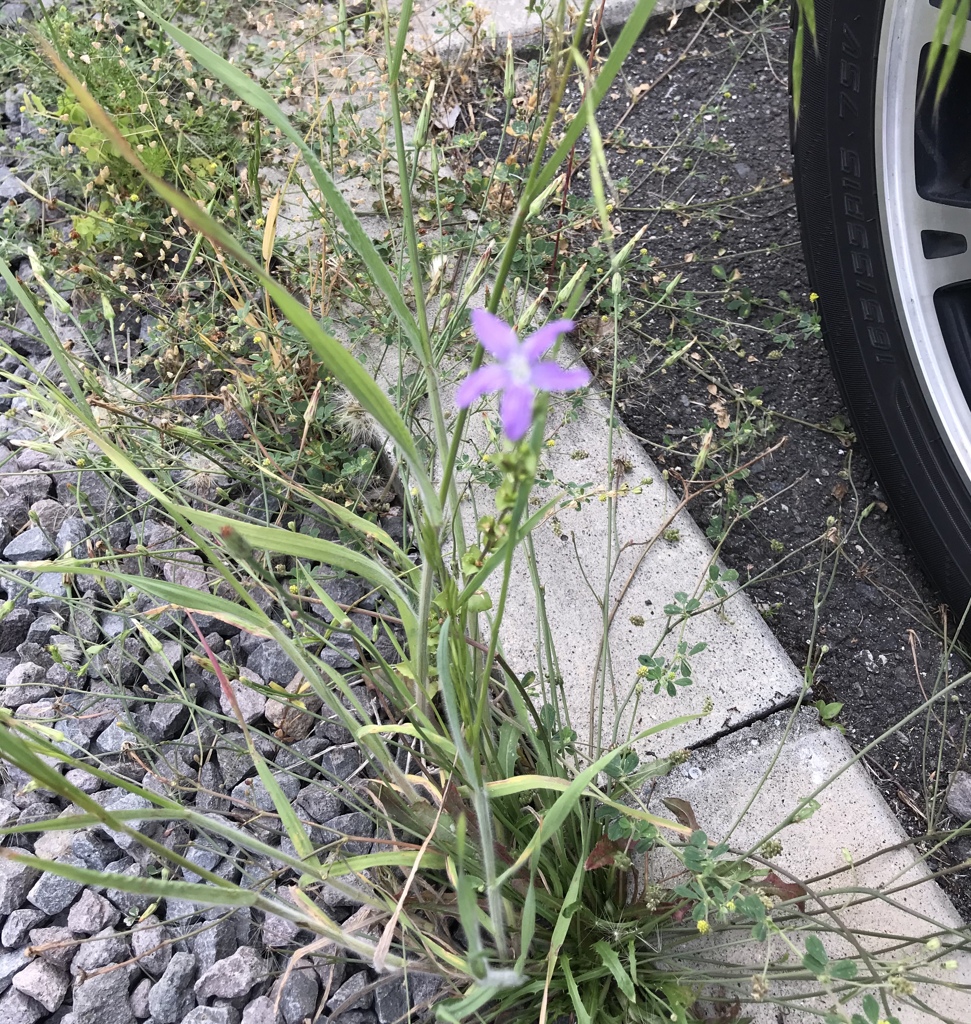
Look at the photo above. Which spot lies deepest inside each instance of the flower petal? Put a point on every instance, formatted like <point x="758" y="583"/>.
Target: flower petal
<point x="516" y="411"/>
<point x="495" y="335"/>
<point x="480" y="382"/>
<point x="539" y="341"/>
<point x="551" y="377"/>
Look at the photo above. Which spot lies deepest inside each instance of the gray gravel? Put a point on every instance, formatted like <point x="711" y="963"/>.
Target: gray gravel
<point x="133" y="692"/>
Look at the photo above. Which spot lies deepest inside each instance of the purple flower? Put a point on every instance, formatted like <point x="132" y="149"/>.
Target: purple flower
<point x="518" y="373"/>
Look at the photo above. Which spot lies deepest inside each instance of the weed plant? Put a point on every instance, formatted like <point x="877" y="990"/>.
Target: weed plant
<point x="522" y="859"/>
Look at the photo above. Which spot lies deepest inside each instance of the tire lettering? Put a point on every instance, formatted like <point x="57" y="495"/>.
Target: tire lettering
<point x="862" y="265"/>
<point x="879" y="338"/>
<point x="857" y="235"/>
<point x="872" y="310"/>
<point x="849" y="162"/>
<point x="851" y="45"/>
<point x="848" y="104"/>
<point x="850" y="75"/>
<point x="852" y="206"/>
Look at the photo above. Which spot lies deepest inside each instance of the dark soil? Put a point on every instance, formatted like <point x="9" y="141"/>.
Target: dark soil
<point x="824" y="559"/>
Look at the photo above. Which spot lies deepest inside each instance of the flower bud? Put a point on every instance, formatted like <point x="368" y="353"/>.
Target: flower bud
<point x="421" y="128"/>
<point x="536" y="206"/>
<point x="621" y="257"/>
<point x="564" y="295"/>
<point x="509" y="86"/>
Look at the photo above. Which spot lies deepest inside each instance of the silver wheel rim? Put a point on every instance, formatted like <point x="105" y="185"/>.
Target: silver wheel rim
<point x="907" y="27"/>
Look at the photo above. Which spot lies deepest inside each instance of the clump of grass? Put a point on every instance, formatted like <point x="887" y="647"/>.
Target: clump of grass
<point x="520" y="861"/>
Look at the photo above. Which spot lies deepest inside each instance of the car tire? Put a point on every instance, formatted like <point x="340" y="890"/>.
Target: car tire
<point x="883" y="188"/>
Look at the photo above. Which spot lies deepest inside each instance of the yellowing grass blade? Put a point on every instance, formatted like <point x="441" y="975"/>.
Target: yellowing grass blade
<point x="269" y="231"/>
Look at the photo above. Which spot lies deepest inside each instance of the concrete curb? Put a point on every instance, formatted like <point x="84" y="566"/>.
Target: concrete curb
<point x="853" y="823"/>
<point x="510" y="19"/>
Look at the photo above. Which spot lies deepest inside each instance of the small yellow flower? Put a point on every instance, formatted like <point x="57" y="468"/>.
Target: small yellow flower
<point x="813" y="297"/>
<point x="704" y="927"/>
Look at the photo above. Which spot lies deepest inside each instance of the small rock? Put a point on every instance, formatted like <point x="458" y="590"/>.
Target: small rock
<point x="52" y="894"/>
<point x="120" y="662"/>
<point x="17" y="927"/>
<point x="395" y="998"/>
<point x="205" y="853"/>
<point x="14" y="510"/>
<point x="349" y="993"/>
<point x="212" y="1015"/>
<point x="51" y="516"/>
<point x="11" y="187"/>
<point x="10" y="963"/>
<point x="211" y="786"/>
<point x="48" y="592"/>
<point x="84" y="781"/>
<point x="95" y="850"/>
<point x="15" y="882"/>
<point x="92" y="913"/>
<point x="127" y="902"/>
<point x="57" y="945"/>
<point x="35" y="654"/>
<point x="161" y="668"/>
<point x="14" y="627"/>
<point x="252" y="791"/>
<point x="56" y="844"/>
<point x="186" y="572"/>
<point x="340" y="762"/>
<point x="959" y="796"/>
<point x="294" y="723"/>
<point x="167" y="720"/>
<point x="138" y="1000"/>
<point x="233" y="977"/>
<point x="26" y="684"/>
<point x="12" y="13"/>
<point x="30" y="486"/>
<point x="16" y="1008"/>
<point x="103" y="999"/>
<point x="149" y="942"/>
<point x="33" y="545"/>
<point x="44" y="982"/>
<point x="43" y="628"/>
<point x="171" y="997"/>
<point x="234" y="761"/>
<point x="251" y="702"/>
<point x="106" y="947"/>
<point x="261" y="1010"/>
<point x="320" y="802"/>
<point x="299" y="996"/>
<point x="130" y="802"/>
<point x="113" y="738"/>
<point x="357" y="827"/>
<point x="214" y="944"/>
<point x="71" y="535"/>
<point x="271" y="663"/>
<point x="90" y="491"/>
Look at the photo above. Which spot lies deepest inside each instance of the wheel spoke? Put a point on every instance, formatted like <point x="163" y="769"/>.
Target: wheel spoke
<point x="944" y="270"/>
